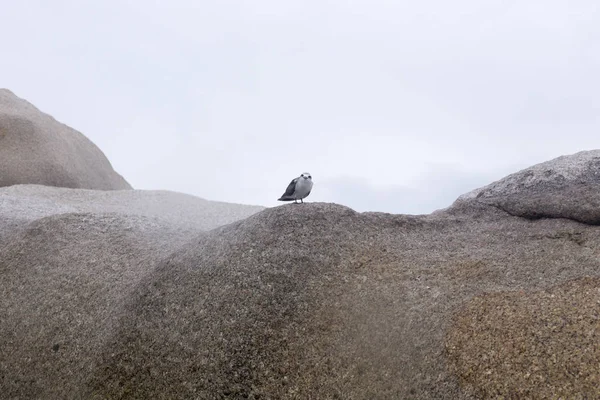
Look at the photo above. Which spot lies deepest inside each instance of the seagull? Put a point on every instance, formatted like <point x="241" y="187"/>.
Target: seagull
<point x="298" y="188"/>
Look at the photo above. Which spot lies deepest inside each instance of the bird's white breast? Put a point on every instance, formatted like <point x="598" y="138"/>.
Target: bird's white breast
<point x="303" y="188"/>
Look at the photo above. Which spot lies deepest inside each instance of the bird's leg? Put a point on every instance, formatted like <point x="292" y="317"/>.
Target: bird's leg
<point x="302" y="201"/>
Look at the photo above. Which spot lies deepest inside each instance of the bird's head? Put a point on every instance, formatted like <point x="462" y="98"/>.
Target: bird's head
<point x="306" y="175"/>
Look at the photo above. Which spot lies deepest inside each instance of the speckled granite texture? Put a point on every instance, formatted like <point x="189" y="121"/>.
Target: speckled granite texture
<point x="155" y="295"/>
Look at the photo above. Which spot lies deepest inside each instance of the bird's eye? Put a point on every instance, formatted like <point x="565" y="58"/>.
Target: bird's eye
<point x="309" y="177"/>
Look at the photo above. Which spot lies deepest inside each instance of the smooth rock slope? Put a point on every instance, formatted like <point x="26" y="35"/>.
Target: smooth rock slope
<point x="37" y="149"/>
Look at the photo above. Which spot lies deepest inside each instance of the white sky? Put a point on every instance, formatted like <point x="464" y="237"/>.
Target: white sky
<point x="396" y="106"/>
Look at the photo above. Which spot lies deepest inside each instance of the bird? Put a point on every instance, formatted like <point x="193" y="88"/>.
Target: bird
<point x="298" y="188"/>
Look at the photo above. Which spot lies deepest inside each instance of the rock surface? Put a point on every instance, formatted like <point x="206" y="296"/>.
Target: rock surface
<point x="565" y="187"/>
<point x="37" y="149"/>
<point x="303" y="301"/>
<point x="70" y="260"/>
<point x="319" y="301"/>
<point x="20" y="204"/>
<point x="539" y="344"/>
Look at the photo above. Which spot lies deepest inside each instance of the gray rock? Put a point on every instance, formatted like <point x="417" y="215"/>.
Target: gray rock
<point x="566" y="187"/>
<point x="317" y="301"/>
<point x="36" y="149"/>
<point x="70" y="260"/>
<point x="64" y="281"/>
<point x="26" y="203"/>
<point x="299" y="301"/>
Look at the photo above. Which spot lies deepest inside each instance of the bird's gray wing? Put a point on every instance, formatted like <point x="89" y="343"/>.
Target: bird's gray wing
<point x="291" y="188"/>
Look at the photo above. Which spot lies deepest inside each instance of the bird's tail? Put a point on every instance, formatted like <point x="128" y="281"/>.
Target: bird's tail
<point x="285" y="198"/>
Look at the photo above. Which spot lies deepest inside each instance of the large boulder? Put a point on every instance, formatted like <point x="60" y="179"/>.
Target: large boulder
<point x="566" y="187"/>
<point x="317" y="301"/>
<point x="70" y="260"/>
<point x="63" y="282"/>
<point x="37" y="149"/>
<point x="301" y="301"/>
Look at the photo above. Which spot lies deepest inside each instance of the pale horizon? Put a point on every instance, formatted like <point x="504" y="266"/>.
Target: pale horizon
<point x="391" y="106"/>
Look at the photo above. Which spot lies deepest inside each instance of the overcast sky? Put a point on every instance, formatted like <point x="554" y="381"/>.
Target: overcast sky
<point x="396" y="106"/>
